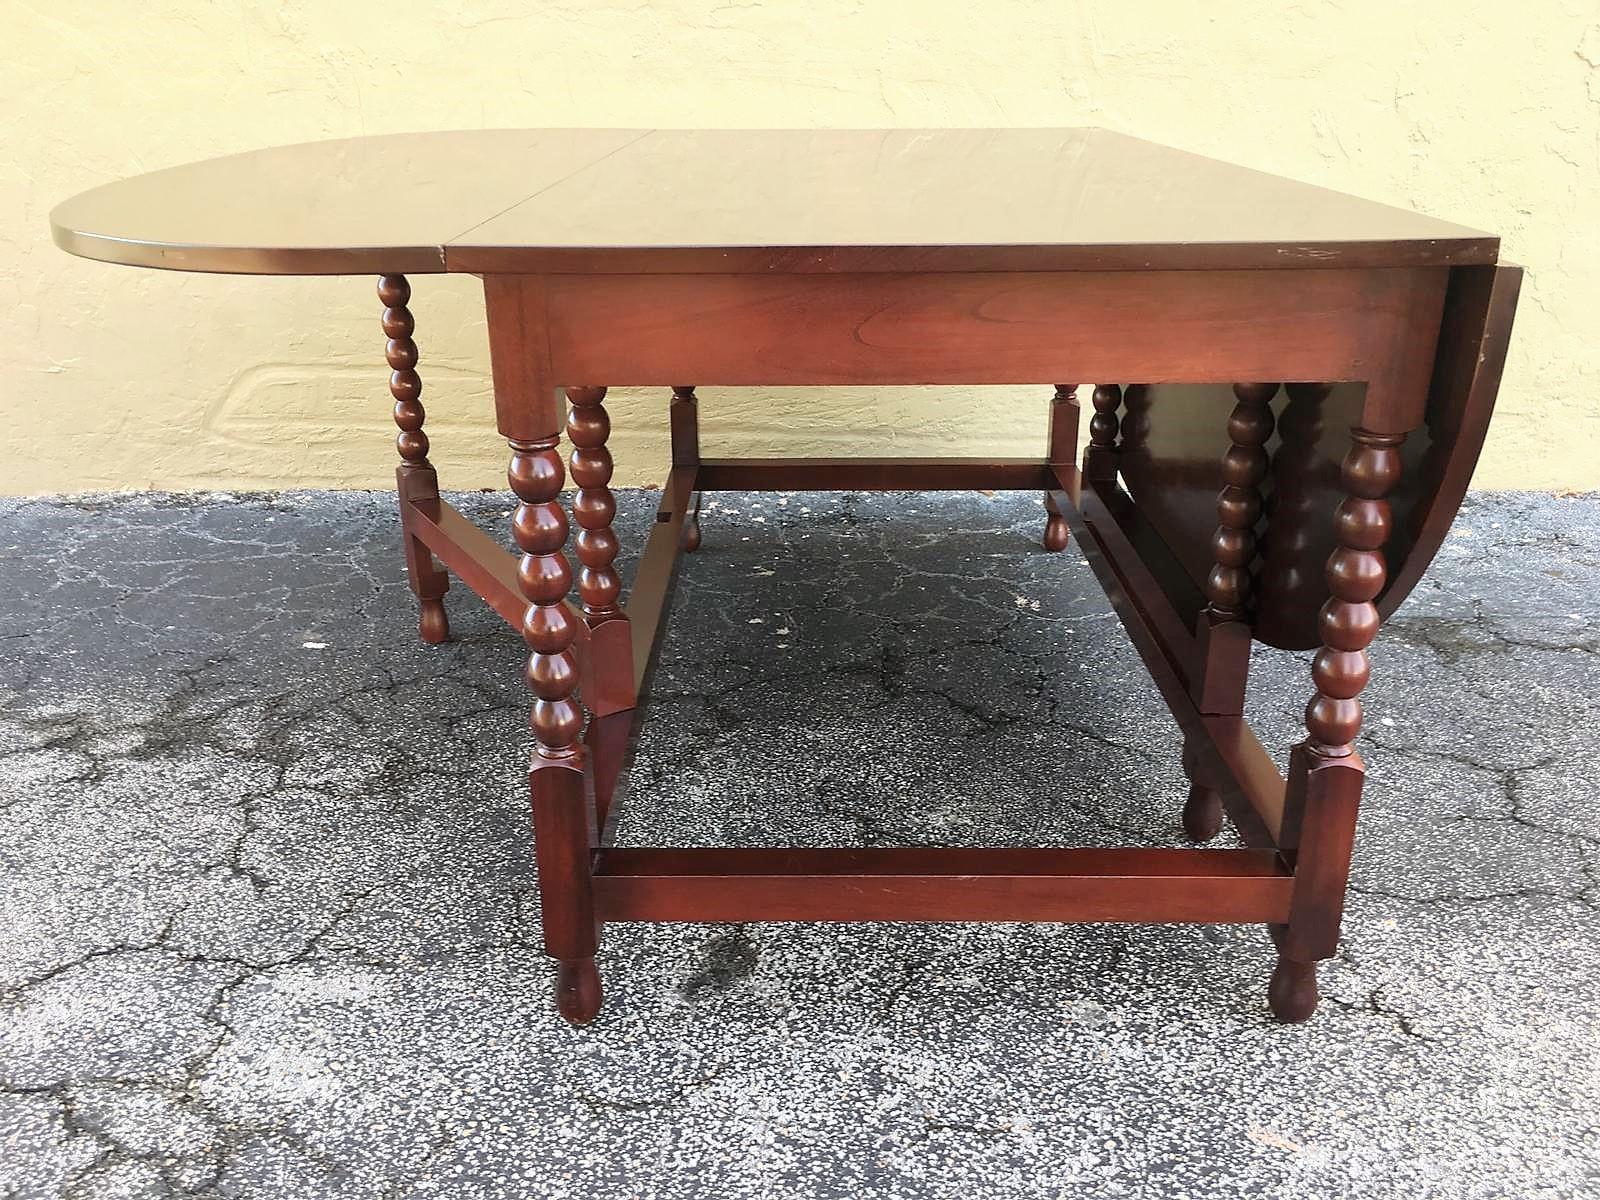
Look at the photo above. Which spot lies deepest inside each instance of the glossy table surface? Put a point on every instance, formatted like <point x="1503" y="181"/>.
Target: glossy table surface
<point x="959" y="257"/>
<point x="740" y="200"/>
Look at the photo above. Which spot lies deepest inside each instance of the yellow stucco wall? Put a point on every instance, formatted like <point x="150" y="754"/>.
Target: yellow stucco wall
<point x="1487" y="113"/>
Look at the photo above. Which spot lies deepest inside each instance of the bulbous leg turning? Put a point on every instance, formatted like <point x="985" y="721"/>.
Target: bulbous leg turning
<point x="1322" y="794"/>
<point x="1292" y="994"/>
<point x="1202" y="813"/>
<point x="432" y="622"/>
<point x="415" y="479"/>
<point x="689" y="536"/>
<point x="563" y="819"/>
<point x="578" y="992"/>
<point x="1055" y="531"/>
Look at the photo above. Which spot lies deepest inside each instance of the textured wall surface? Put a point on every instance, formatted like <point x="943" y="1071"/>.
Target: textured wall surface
<point x="1484" y="113"/>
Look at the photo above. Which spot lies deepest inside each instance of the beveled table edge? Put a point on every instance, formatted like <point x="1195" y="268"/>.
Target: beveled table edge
<point x="799" y="260"/>
<point x="954" y="258"/>
<point x="459" y="253"/>
<point x="251" y="260"/>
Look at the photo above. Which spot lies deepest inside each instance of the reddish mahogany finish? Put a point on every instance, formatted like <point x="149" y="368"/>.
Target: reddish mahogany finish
<point x="1326" y="773"/>
<point x="1222" y="631"/>
<point x="607" y="688"/>
<point x="1192" y="604"/>
<point x="563" y="819"/>
<point x="767" y="202"/>
<point x="1060" y="449"/>
<point x="415" y="478"/>
<point x="685" y="419"/>
<point x="1214" y="511"/>
<point x="920" y="884"/>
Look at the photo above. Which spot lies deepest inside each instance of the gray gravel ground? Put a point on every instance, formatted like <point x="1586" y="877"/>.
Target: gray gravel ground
<point x="271" y="925"/>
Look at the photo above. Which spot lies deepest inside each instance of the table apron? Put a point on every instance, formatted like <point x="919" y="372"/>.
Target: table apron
<point x="1378" y="326"/>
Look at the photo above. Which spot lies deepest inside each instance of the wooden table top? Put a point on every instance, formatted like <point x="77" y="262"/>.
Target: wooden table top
<point x="743" y="201"/>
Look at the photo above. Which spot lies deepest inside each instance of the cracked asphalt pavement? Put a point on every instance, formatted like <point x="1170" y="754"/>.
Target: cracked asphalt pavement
<point x="270" y="922"/>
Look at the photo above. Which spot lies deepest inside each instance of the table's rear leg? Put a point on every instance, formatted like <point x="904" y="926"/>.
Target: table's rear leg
<point x="1325" y="772"/>
<point x="1223" y="630"/>
<point x="415" y="478"/>
<point x="608" y="686"/>
<point x="1100" y="456"/>
<point x="594" y="507"/>
<point x="1202" y="809"/>
<point x="685" y="417"/>
<point x="1061" y="447"/>
<point x="562" y="818"/>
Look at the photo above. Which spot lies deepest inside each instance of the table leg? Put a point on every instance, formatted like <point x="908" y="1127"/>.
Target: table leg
<point x="1325" y="771"/>
<point x="1062" y="447"/>
<point x="1299" y="473"/>
<point x="608" y="685"/>
<point x="415" y="478"/>
<point x="685" y="414"/>
<point x="1202" y="809"/>
<point x="1222" y="634"/>
<point x="1100" y="457"/>
<point x="562" y="817"/>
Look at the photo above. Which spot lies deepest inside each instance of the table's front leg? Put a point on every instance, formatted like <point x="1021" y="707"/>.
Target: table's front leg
<point x="1325" y="771"/>
<point x="562" y="817"/>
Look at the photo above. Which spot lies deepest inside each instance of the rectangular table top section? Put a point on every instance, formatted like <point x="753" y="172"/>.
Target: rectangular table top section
<point x="954" y="199"/>
<point x="743" y="201"/>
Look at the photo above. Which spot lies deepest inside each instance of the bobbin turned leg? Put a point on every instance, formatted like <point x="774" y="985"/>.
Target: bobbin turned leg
<point x="415" y="478"/>
<point x="1325" y="772"/>
<point x="563" y="821"/>
<point x="685" y="414"/>
<point x="1100" y="456"/>
<point x="594" y="507"/>
<point x="608" y="691"/>
<point x="1222" y="630"/>
<point x="1062" y="445"/>
<point x="1299" y="474"/>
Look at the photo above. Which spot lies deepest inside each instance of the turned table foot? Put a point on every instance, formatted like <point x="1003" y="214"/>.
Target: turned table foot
<point x="689" y="538"/>
<point x="432" y="623"/>
<point x="1055" y="527"/>
<point x="1292" y="994"/>
<point x="1202" y="813"/>
<point x="578" y="991"/>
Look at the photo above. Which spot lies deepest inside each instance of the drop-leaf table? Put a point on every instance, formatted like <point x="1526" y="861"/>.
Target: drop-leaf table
<point x="1215" y="509"/>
